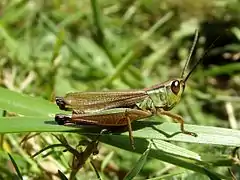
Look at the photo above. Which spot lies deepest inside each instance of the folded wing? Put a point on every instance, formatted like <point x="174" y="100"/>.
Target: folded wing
<point x="92" y="101"/>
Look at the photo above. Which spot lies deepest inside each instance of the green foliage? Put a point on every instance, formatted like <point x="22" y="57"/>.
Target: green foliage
<point x="49" y="48"/>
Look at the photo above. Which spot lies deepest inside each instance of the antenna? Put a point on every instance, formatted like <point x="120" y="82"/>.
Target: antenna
<point x="200" y="60"/>
<point x="190" y="54"/>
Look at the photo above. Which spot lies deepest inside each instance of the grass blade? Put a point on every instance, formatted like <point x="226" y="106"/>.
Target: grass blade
<point x="25" y="105"/>
<point x="143" y="129"/>
<point x="137" y="168"/>
<point x="15" y="166"/>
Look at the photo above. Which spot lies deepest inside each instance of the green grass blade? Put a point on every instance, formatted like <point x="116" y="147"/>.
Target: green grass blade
<point x="171" y="132"/>
<point x="143" y="129"/>
<point x="175" y="150"/>
<point x="141" y="145"/>
<point x="15" y="166"/>
<point x="25" y="105"/>
<point x="137" y="168"/>
<point x="31" y="124"/>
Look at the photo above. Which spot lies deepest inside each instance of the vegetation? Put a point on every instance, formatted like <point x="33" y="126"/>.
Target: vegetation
<point x="49" y="48"/>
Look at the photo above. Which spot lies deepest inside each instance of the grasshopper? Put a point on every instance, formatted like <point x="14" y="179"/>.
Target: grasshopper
<point x="120" y="108"/>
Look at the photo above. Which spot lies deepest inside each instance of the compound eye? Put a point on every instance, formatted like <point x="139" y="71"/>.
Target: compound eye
<point x="175" y="87"/>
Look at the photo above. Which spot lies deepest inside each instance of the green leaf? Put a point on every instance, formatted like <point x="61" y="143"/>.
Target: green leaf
<point x="175" y="150"/>
<point x="31" y="124"/>
<point x="25" y="105"/>
<point x="137" y="168"/>
<point x="142" y="129"/>
<point x="179" y="160"/>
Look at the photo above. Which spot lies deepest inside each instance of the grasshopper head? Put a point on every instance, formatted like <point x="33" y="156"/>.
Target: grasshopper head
<point x="174" y="89"/>
<point x="169" y="93"/>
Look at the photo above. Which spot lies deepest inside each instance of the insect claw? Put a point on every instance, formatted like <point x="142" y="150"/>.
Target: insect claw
<point x="193" y="134"/>
<point x="60" y="102"/>
<point x="189" y="133"/>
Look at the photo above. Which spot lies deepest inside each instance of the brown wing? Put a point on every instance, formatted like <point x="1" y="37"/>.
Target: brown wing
<point x="90" y="101"/>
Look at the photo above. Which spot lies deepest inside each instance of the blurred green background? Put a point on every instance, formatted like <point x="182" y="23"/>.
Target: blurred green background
<point x="49" y="48"/>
